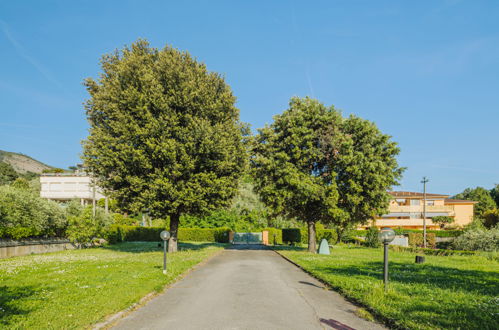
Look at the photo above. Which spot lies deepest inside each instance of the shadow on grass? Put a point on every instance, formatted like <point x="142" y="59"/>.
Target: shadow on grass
<point x="482" y="282"/>
<point x="11" y="301"/>
<point x="246" y="247"/>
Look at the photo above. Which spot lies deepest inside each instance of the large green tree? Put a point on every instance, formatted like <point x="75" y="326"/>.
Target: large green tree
<point x="164" y="134"/>
<point x="480" y="195"/>
<point x="315" y="165"/>
<point x="494" y="192"/>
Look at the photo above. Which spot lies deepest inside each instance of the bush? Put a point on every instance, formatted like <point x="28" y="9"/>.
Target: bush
<point x="24" y="214"/>
<point x="291" y="235"/>
<point x="416" y="240"/>
<point x="329" y="234"/>
<point x="491" y="218"/>
<point x="372" y="237"/>
<point x="84" y="227"/>
<point x="442" y="220"/>
<point x="478" y="240"/>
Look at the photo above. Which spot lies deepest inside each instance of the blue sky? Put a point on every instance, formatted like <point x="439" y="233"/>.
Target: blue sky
<point x="427" y="72"/>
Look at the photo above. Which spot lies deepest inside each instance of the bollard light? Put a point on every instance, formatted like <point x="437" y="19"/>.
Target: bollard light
<point x="165" y="236"/>
<point x="386" y="235"/>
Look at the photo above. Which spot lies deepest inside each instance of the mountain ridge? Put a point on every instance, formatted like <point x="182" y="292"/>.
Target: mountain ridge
<point x="23" y="163"/>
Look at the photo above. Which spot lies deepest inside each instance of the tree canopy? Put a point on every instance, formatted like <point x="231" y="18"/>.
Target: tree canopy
<point x="313" y="164"/>
<point x="165" y="133"/>
<point x="480" y="195"/>
<point x="494" y="193"/>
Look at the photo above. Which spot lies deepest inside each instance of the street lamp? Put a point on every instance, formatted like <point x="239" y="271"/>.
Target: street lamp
<point x="165" y="236"/>
<point x="386" y="235"/>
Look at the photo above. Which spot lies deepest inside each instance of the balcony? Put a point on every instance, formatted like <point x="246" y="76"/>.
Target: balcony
<point x="405" y="223"/>
<point x="431" y="210"/>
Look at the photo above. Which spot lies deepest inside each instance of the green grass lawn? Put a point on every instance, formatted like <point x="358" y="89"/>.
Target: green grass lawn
<point x="458" y="292"/>
<point x="74" y="289"/>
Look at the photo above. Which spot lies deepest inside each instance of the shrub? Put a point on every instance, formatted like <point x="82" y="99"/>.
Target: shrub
<point x="84" y="227"/>
<point x="416" y="240"/>
<point x="24" y="214"/>
<point x="291" y="235"/>
<point x="442" y="220"/>
<point x="491" y="218"/>
<point x="372" y="237"/>
<point x="329" y="234"/>
<point x="478" y="240"/>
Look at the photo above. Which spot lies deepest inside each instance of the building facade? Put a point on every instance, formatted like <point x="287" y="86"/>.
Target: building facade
<point x="64" y="187"/>
<point x="406" y="211"/>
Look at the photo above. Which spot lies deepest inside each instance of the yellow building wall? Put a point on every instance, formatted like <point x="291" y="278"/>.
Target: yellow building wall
<point x="463" y="214"/>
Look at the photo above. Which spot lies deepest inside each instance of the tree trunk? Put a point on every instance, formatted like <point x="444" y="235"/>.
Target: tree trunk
<point x="172" y="242"/>
<point x="339" y="233"/>
<point x="311" y="237"/>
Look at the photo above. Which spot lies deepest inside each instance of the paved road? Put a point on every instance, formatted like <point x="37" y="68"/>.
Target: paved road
<point x="247" y="289"/>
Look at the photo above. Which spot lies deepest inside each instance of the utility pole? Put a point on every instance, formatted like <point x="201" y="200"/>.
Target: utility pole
<point x="424" y="181"/>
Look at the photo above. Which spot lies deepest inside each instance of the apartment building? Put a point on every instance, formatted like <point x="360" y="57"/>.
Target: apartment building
<point x="406" y="210"/>
<point x="63" y="187"/>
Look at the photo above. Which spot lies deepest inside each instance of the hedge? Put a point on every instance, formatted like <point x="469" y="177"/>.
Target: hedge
<point x="278" y="235"/>
<point x="435" y="252"/>
<point x="123" y="233"/>
<point x="401" y="231"/>
<point x="291" y="235"/>
<point x="220" y="235"/>
<point x="296" y="235"/>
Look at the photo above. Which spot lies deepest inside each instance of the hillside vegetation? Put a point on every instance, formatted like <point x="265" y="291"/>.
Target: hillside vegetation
<point x="23" y="164"/>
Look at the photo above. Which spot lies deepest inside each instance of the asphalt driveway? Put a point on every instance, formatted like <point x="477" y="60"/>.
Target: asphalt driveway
<point x="247" y="289"/>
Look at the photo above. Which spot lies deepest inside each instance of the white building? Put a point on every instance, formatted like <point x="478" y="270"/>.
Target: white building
<point x="67" y="186"/>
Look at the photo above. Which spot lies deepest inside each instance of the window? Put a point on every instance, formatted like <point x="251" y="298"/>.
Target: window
<point x="430" y="203"/>
<point x="415" y="202"/>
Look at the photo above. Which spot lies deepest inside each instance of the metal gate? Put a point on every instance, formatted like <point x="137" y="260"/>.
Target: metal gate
<point x="248" y="238"/>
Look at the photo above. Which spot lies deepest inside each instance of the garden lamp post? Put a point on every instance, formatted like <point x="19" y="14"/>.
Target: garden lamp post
<point x="165" y="236"/>
<point x="386" y="235"/>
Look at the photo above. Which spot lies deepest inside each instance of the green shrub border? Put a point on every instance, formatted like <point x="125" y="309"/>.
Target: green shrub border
<point x="433" y="252"/>
<point x="401" y="231"/>
<point x="124" y="233"/>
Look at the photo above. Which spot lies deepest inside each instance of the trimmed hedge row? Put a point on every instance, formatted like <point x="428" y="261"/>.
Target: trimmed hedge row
<point x="401" y="231"/>
<point x="434" y="252"/>
<point x="278" y="235"/>
<point x="296" y="235"/>
<point x="123" y="233"/>
<point x="220" y="235"/>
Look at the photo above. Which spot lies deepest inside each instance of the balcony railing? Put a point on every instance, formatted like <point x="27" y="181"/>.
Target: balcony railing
<point x="419" y="208"/>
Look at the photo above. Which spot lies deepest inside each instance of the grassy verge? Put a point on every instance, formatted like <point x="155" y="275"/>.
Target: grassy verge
<point x="74" y="289"/>
<point x="445" y="292"/>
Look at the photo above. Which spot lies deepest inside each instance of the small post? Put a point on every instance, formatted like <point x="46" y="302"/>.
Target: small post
<point x="385" y="267"/>
<point x="164" y="256"/>
<point x="165" y="236"/>
<point x="275" y="239"/>
<point x="424" y="181"/>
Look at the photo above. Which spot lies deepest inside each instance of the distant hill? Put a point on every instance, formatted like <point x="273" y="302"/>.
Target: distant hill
<point x="23" y="164"/>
